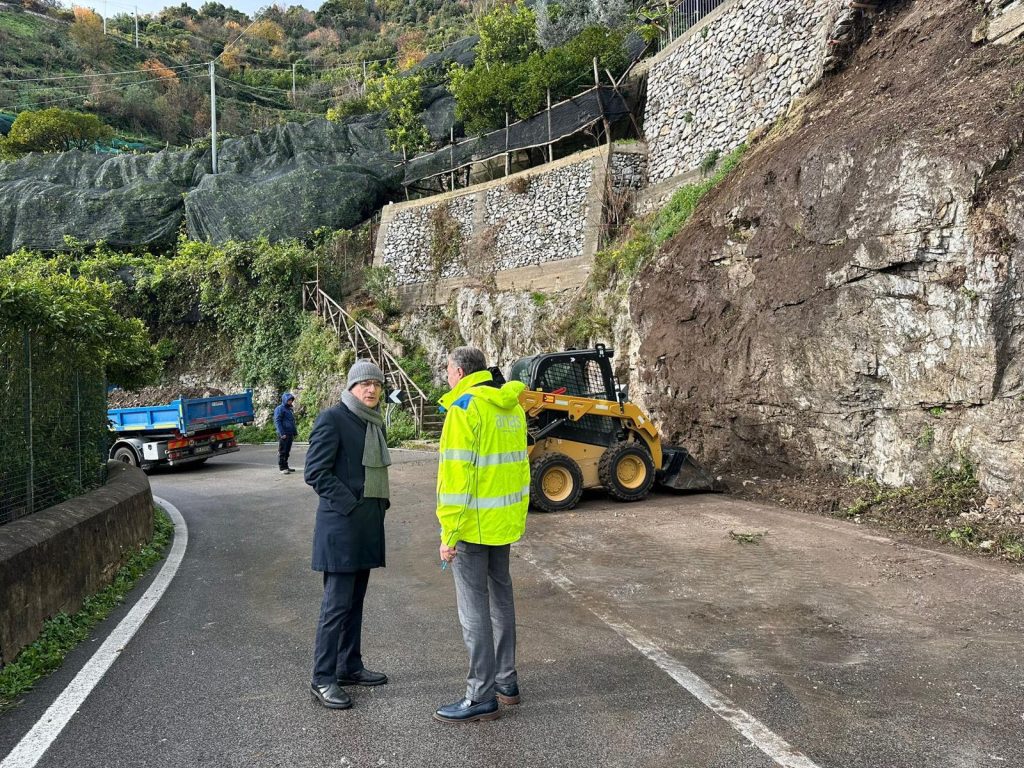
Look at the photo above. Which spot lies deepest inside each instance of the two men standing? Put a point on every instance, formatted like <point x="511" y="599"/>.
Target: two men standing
<point x="483" y="492"/>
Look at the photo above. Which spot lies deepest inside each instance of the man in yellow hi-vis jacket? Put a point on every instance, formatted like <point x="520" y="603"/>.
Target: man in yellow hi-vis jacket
<point x="483" y="492"/>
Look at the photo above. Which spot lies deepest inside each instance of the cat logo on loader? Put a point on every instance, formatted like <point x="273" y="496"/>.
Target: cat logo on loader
<point x="584" y="433"/>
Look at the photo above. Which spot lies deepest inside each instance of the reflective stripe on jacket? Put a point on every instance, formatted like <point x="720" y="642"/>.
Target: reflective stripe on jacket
<point x="483" y="476"/>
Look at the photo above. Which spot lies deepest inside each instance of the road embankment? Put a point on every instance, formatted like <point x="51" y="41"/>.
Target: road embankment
<point x="52" y="560"/>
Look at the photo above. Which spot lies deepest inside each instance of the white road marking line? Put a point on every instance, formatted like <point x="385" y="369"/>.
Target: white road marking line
<point x="35" y="743"/>
<point x="756" y="732"/>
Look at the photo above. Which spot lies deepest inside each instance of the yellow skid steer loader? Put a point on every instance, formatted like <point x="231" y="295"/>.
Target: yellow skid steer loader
<point x="583" y="433"/>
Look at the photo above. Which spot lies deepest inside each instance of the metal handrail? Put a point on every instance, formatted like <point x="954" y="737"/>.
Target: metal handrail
<point x="675" y="18"/>
<point x="363" y="341"/>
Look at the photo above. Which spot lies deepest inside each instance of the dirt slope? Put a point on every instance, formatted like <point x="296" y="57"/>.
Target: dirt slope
<point x="851" y="299"/>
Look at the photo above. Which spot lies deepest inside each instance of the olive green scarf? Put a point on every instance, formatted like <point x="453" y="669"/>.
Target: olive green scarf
<point x="376" y="458"/>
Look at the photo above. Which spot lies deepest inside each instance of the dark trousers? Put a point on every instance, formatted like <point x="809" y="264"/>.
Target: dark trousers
<point x="284" y="449"/>
<point x="338" y="634"/>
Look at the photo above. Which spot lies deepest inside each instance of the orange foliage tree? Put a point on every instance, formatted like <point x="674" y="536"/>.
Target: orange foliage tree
<point x="156" y="69"/>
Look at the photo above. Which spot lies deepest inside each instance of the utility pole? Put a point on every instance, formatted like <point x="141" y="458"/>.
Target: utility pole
<point x="136" y="26"/>
<point x="104" y="17"/>
<point x="293" y="83"/>
<point x="213" y="116"/>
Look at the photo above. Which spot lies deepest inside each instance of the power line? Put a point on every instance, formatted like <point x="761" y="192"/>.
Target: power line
<point x="93" y="74"/>
<point x="77" y="96"/>
<point x="272" y="89"/>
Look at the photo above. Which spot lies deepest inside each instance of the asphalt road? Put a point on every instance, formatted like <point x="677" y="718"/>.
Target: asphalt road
<point x="854" y="649"/>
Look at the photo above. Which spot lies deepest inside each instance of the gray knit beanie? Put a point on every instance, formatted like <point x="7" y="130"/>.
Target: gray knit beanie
<point x="364" y="370"/>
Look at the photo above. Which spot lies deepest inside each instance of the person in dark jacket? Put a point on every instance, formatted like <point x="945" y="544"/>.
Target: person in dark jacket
<point x="284" y="423"/>
<point x="347" y="464"/>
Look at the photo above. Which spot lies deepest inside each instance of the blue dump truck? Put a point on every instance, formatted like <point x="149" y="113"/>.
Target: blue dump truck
<point x="182" y="432"/>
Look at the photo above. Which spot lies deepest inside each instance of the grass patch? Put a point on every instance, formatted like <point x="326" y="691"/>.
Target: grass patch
<point x="684" y="202"/>
<point x="946" y="506"/>
<point x="629" y="255"/>
<point x="748" y="538"/>
<point x="63" y="632"/>
<point x="950" y="490"/>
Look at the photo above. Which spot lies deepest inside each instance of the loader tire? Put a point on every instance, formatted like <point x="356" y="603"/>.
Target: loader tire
<point x="556" y="483"/>
<point x="626" y="470"/>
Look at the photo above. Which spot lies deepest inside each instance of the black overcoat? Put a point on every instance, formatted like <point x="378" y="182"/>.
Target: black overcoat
<point x="349" y="531"/>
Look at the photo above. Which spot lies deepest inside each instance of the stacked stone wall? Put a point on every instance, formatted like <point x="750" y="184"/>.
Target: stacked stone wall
<point x="529" y="220"/>
<point x="736" y="71"/>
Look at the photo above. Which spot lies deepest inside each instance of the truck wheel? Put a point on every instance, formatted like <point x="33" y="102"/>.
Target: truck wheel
<point x="556" y="483"/>
<point x="126" y="455"/>
<point x="626" y="470"/>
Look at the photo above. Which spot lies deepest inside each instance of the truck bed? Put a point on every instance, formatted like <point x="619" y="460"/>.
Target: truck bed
<point x="184" y="416"/>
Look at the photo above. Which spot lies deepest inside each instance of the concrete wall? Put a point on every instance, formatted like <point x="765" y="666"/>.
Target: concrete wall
<point x="735" y="71"/>
<point x="538" y="229"/>
<point x="51" y="560"/>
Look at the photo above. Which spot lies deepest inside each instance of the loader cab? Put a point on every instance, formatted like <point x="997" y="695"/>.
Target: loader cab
<point x="576" y="373"/>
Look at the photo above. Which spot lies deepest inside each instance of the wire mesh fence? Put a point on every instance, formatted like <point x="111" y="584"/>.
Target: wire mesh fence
<point x="53" y="428"/>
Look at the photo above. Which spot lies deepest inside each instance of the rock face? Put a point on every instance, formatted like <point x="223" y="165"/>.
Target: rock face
<point x="283" y="182"/>
<point x="852" y="298"/>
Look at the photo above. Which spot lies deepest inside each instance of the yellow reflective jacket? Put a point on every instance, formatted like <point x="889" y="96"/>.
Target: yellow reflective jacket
<point x="483" y="477"/>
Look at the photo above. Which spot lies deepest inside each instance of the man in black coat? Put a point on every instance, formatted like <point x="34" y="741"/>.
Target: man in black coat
<point x="347" y="465"/>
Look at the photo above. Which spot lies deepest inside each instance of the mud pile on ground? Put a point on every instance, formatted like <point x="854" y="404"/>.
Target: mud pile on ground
<point x="157" y="395"/>
<point x="851" y="300"/>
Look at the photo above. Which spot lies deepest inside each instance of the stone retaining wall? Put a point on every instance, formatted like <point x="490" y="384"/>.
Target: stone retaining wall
<point x="545" y="221"/>
<point x="735" y="71"/>
<point x="50" y="561"/>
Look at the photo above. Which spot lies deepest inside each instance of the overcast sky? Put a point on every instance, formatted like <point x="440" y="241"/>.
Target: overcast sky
<point x="114" y="7"/>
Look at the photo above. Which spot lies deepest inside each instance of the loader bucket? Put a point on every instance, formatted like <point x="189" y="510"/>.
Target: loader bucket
<point x="681" y="472"/>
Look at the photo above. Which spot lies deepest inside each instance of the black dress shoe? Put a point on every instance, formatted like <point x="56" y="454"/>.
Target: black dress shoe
<point x="363" y="677"/>
<point x="507" y="693"/>
<point x="331" y="696"/>
<point x="467" y="711"/>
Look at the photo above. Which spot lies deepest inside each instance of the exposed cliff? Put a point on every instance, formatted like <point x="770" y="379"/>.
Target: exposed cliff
<point x="852" y="298"/>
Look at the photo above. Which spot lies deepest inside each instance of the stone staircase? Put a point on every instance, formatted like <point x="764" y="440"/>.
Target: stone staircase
<point x="371" y="342"/>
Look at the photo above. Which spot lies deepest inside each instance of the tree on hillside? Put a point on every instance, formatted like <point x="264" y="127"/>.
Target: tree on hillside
<point x="222" y="12"/>
<point x="400" y="98"/>
<point x="54" y="130"/>
<point x="558" y="23"/>
<point x="87" y="32"/>
<point x="156" y="69"/>
<point x="507" y="34"/>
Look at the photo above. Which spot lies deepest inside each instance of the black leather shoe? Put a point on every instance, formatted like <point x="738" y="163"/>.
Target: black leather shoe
<point x="331" y="696"/>
<point x="508" y="693"/>
<point x="363" y="677"/>
<point x="467" y="711"/>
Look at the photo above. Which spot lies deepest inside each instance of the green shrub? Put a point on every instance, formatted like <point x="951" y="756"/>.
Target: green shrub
<point x="684" y="202"/>
<point x="379" y="284"/>
<point x="266" y="433"/>
<point x="486" y="92"/>
<point x="401" y="426"/>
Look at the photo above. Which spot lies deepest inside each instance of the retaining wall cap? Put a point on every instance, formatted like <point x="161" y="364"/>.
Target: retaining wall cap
<point x="123" y="482"/>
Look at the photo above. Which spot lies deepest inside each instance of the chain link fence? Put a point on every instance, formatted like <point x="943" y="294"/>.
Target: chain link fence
<point x="53" y="424"/>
